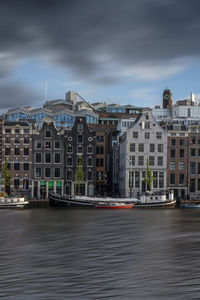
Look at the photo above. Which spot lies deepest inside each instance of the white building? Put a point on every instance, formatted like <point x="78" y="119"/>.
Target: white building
<point x="144" y="140"/>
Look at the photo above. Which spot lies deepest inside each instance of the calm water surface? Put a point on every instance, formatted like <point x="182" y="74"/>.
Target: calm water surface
<point x="99" y="254"/>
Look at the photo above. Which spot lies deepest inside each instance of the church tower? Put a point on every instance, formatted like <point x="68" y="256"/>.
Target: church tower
<point x="167" y="98"/>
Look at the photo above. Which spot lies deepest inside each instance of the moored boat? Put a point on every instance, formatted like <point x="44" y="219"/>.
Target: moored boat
<point x="12" y="202"/>
<point x="159" y="200"/>
<point x="93" y="202"/>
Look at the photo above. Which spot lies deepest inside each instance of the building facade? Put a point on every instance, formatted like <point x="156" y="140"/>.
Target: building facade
<point x="48" y="160"/>
<point x="17" y="150"/>
<point x="80" y="159"/>
<point x="144" y="140"/>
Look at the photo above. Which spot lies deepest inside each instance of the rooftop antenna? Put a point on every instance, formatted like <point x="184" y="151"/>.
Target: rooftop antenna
<point x="46" y="88"/>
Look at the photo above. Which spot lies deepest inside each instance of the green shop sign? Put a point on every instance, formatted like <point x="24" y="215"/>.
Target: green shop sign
<point x="42" y="183"/>
<point x="59" y="183"/>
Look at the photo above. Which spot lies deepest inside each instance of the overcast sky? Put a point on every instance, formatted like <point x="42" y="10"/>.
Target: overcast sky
<point x="120" y="51"/>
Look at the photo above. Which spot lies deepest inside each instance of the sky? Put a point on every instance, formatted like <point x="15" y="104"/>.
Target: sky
<point x="124" y="52"/>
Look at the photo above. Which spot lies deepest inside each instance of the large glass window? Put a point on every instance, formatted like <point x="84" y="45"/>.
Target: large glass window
<point x="47" y="172"/>
<point x="172" y="179"/>
<point x="38" y="157"/>
<point x="79" y="139"/>
<point x="89" y="175"/>
<point x="38" y="144"/>
<point x="140" y="160"/>
<point x="69" y="149"/>
<point x="57" y="144"/>
<point x="90" y="150"/>
<point x="141" y="147"/>
<point x="57" y="172"/>
<point x="181" y="166"/>
<point x="48" y="134"/>
<point x="132" y="160"/>
<point x="89" y="162"/>
<point x="132" y="147"/>
<point x="192" y="168"/>
<point x="69" y="161"/>
<point x="26" y="151"/>
<point x="151" y="160"/>
<point x="17" y="166"/>
<point x="160" y="147"/>
<point x="17" y="151"/>
<point x="151" y="147"/>
<point x="159" y="135"/>
<point x="26" y="166"/>
<point x="47" y="158"/>
<point x="181" y="179"/>
<point x="160" y="160"/>
<point x="69" y="175"/>
<point x="57" y="158"/>
<point x="38" y="172"/>
<point x="7" y="151"/>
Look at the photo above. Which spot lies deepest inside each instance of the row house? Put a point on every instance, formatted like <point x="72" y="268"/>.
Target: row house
<point x="48" y="160"/>
<point x="80" y="157"/>
<point x="144" y="140"/>
<point x="17" y="150"/>
<point x="177" y="160"/>
<point x="194" y="162"/>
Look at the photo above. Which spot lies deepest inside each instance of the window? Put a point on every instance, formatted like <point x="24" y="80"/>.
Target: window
<point x="47" y="145"/>
<point x="172" y="179"/>
<point x="79" y="150"/>
<point x="26" y="151"/>
<point x="161" y="180"/>
<point x="160" y="160"/>
<point x="173" y="142"/>
<point x="69" y="161"/>
<point x="48" y="133"/>
<point x="99" y="162"/>
<point x="160" y="147"/>
<point x="140" y="160"/>
<point x="173" y="153"/>
<point x="147" y="125"/>
<point x="141" y="147"/>
<point x="198" y="184"/>
<point x="155" y="179"/>
<point x="100" y="138"/>
<point x="26" y="130"/>
<point x="137" y="179"/>
<point x="152" y="148"/>
<point x="69" y="175"/>
<point x="89" y="175"/>
<point x="193" y="141"/>
<point x="47" y="158"/>
<point x="26" y="140"/>
<point x="192" y="185"/>
<point x="132" y="147"/>
<point x="198" y="168"/>
<point x="47" y="172"/>
<point x="17" y="130"/>
<point x="181" y="166"/>
<point x="181" y="179"/>
<point x="181" y="142"/>
<point x="25" y="183"/>
<point x="147" y="135"/>
<point x="38" y="144"/>
<point x="159" y="135"/>
<point x="38" y="157"/>
<point x="7" y="151"/>
<point x="192" y="168"/>
<point x="16" y="166"/>
<point x="17" y="140"/>
<point x="172" y="166"/>
<point x="57" y="144"/>
<point x="80" y="127"/>
<point x="57" y="158"/>
<point x="57" y="172"/>
<point x="99" y="150"/>
<point x="151" y="160"/>
<point x="38" y="172"/>
<point x="90" y="150"/>
<point x="7" y="130"/>
<point x="89" y="162"/>
<point x="69" y="149"/>
<point x="7" y="140"/>
<point x="192" y="151"/>
<point x="135" y="134"/>
<point x="181" y="153"/>
<point x="79" y="139"/>
<point x="132" y="160"/>
<point x="26" y="166"/>
<point x="17" y="151"/>
<point x="16" y="183"/>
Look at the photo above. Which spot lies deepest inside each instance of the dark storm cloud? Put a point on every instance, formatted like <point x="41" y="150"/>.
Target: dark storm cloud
<point x="13" y="95"/>
<point x="91" y="36"/>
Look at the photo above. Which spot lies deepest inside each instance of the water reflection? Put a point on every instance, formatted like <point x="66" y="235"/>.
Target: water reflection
<point x="91" y="254"/>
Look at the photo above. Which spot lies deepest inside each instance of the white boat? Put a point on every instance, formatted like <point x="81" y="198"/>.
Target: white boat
<point x="156" y="199"/>
<point x="12" y="202"/>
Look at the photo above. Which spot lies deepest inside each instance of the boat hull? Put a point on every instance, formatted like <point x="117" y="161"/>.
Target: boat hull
<point x="125" y="206"/>
<point x="165" y="204"/>
<point x="89" y="202"/>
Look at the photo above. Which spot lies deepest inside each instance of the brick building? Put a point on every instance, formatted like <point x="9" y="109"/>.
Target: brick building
<point x="48" y="160"/>
<point x="17" y="149"/>
<point x="80" y="146"/>
<point x="177" y="160"/>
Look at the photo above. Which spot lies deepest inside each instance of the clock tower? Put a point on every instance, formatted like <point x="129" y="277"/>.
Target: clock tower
<point x="167" y="98"/>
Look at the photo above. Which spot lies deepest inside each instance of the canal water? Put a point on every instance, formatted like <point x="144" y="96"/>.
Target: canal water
<point x="50" y="253"/>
